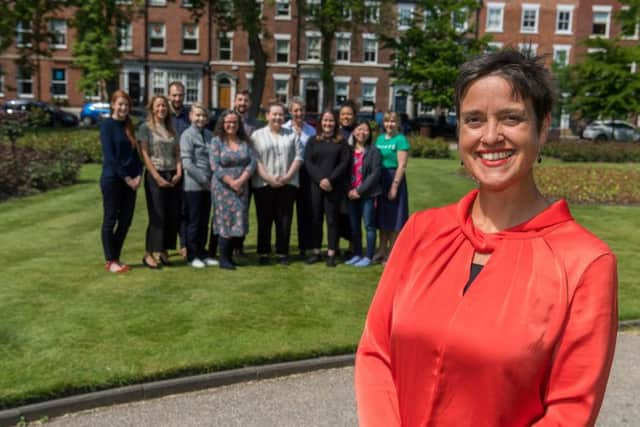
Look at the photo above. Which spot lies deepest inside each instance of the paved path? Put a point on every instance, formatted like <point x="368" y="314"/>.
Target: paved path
<point x="322" y="398"/>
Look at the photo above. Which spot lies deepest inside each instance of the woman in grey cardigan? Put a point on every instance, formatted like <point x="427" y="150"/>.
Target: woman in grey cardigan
<point x="195" y="144"/>
<point x="364" y="187"/>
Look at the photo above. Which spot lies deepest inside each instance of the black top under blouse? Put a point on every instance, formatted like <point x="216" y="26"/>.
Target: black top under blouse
<point x="473" y="273"/>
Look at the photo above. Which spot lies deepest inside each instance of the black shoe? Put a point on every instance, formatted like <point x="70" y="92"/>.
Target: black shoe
<point x="331" y="261"/>
<point x="226" y="265"/>
<point x="283" y="260"/>
<point x="153" y="267"/>
<point x="239" y="253"/>
<point x="313" y="259"/>
<point x="165" y="261"/>
<point x="347" y="255"/>
<point x="263" y="260"/>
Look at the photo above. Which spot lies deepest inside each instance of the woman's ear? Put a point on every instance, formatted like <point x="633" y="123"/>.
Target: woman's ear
<point x="544" y="129"/>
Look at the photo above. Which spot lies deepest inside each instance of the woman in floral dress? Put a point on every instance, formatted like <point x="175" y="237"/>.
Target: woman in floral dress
<point x="232" y="164"/>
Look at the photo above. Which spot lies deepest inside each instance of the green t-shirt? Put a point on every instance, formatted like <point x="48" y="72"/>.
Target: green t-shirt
<point x="389" y="149"/>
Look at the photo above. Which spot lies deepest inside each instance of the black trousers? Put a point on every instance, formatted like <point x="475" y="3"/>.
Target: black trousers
<point x="197" y="208"/>
<point x="304" y="212"/>
<point x="274" y="205"/>
<point x="119" y="202"/>
<point x="327" y="204"/>
<point x="163" y="207"/>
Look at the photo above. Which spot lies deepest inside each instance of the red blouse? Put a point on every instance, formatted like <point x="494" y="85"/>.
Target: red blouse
<point x="530" y="343"/>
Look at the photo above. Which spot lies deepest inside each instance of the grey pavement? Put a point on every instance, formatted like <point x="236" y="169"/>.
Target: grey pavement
<point x="321" y="398"/>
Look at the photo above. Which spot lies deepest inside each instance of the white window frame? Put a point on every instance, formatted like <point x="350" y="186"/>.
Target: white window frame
<point x="530" y="7"/>
<point x="225" y="36"/>
<point x="313" y="6"/>
<point x="531" y="47"/>
<point x="59" y="82"/>
<point x="163" y="35"/>
<point x="500" y="8"/>
<point x="372" y="11"/>
<point x="20" y="81"/>
<point x="315" y="35"/>
<point x="277" y="12"/>
<point x="562" y="48"/>
<point x="61" y="31"/>
<point x="601" y="9"/>
<point x="344" y="82"/>
<point x="495" y="45"/>
<point x="636" y="33"/>
<point x="196" y="38"/>
<point x="343" y="36"/>
<point x="405" y="14"/>
<point x="279" y="79"/>
<point x="369" y="37"/>
<point x="281" y="38"/>
<point x="125" y="33"/>
<point x="368" y="81"/>
<point x="22" y="28"/>
<point x="192" y="81"/>
<point x="564" y="8"/>
<point x="158" y="3"/>
<point x="1" y="85"/>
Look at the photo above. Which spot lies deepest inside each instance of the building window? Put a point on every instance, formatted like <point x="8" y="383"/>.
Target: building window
<point x="343" y="47"/>
<point x="563" y="19"/>
<point x="630" y="31"/>
<point x="370" y="48"/>
<point x="405" y="16"/>
<point x="368" y="92"/>
<point x="561" y="54"/>
<point x="58" y="30"/>
<point x="494" y="46"/>
<point x="313" y="7"/>
<point x="190" y="38"/>
<point x="460" y="19"/>
<point x="601" y="21"/>
<point x="341" y="90"/>
<point x="25" y="84"/>
<point x="281" y="87"/>
<point x="371" y="11"/>
<point x="187" y="3"/>
<point x="59" y="82"/>
<point x="23" y="34"/>
<point x="530" y="18"/>
<point x="160" y="80"/>
<point x="124" y="36"/>
<point x="495" y="17"/>
<point x="528" y="49"/>
<point x="283" y="9"/>
<point x="225" y="47"/>
<point x="157" y="2"/>
<point x="157" y="34"/>
<point x="282" y="48"/>
<point x="1" y="83"/>
<point x="313" y="45"/>
<point x="346" y="12"/>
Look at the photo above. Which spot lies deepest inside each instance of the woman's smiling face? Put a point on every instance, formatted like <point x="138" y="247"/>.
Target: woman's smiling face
<point x="499" y="139"/>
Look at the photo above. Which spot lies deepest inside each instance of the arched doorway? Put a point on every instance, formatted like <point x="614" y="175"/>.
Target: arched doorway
<point x="311" y="96"/>
<point x="224" y="93"/>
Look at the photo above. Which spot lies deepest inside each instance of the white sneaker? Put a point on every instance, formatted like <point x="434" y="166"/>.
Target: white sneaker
<point x="197" y="263"/>
<point x="211" y="262"/>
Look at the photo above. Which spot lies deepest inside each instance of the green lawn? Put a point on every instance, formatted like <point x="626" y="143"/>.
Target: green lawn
<point x="67" y="326"/>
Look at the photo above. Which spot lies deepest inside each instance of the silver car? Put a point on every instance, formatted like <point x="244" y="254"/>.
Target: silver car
<point x="610" y="130"/>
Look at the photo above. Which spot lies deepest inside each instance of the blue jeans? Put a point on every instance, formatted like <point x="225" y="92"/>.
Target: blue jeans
<point x="362" y="209"/>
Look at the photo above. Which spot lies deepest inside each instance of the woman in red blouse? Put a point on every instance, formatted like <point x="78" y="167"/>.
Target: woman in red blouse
<point x="499" y="310"/>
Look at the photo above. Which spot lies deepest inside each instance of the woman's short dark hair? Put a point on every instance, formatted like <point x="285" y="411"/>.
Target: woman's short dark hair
<point x="528" y="78"/>
<point x="368" y="125"/>
<point x="219" y="130"/>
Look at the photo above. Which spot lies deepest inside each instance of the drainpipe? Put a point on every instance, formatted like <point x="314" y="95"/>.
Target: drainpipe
<point x="145" y="55"/>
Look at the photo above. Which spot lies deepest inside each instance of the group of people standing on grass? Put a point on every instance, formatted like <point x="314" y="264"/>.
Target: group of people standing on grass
<point x="334" y="174"/>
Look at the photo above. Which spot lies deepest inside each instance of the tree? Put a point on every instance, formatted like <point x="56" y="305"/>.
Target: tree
<point x="331" y="16"/>
<point x="428" y="55"/>
<point x="245" y="15"/>
<point x="603" y="84"/>
<point x="96" y="50"/>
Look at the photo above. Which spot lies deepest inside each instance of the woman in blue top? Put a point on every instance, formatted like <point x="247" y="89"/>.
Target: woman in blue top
<point x="393" y="207"/>
<point x="120" y="178"/>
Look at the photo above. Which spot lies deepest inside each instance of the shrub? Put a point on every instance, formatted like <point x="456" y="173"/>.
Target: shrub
<point x="30" y="170"/>
<point x="586" y="151"/>
<point x="436" y="148"/>
<point x="84" y="142"/>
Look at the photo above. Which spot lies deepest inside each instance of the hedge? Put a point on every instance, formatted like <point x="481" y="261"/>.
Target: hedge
<point x="587" y="151"/>
<point x="85" y="142"/>
<point x="436" y="148"/>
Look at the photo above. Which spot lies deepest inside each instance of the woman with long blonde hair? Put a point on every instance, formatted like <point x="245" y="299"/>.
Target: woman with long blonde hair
<point x="160" y="151"/>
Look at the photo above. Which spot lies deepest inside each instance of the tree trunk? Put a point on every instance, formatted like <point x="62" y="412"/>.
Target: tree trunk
<point x="259" y="73"/>
<point x="327" y="71"/>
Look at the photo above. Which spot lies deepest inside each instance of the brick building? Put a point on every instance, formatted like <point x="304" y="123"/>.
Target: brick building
<point x="163" y="43"/>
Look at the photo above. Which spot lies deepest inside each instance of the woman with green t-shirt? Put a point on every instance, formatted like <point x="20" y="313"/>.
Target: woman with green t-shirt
<point x="393" y="204"/>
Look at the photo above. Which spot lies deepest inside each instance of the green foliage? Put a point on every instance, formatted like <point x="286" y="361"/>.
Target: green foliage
<point x="602" y="84"/>
<point x="428" y="55"/>
<point x="84" y="142"/>
<point x="96" y="50"/>
<point x="429" y="148"/>
<point x="585" y="151"/>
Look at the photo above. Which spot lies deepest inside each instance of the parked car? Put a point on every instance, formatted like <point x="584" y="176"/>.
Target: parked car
<point x="94" y="112"/>
<point x="444" y="126"/>
<point x="54" y="116"/>
<point x="611" y="130"/>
